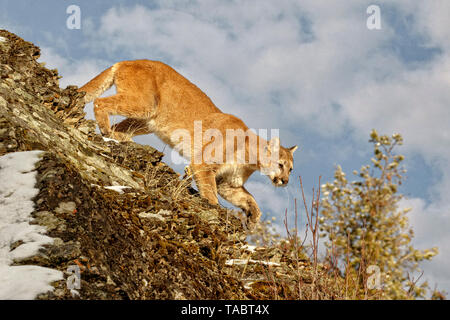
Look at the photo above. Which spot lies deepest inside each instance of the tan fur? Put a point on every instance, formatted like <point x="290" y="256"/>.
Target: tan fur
<point x="157" y="99"/>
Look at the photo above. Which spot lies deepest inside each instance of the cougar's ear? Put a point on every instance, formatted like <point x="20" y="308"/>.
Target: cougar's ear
<point x="292" y="149"/>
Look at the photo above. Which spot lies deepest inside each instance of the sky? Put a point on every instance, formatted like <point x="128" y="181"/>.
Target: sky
<point x="310" y="68"/>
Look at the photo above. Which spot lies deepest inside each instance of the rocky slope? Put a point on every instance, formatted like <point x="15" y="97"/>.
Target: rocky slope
<point x="155" y="240"/>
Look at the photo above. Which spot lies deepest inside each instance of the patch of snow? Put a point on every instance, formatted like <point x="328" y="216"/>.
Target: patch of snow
<point x="249" y="248"/>
<point x="3" y="39"/>
<point x="164" y="212"/>
<point x="118" y="189"/>
<point x="26" y="282"/>
<point x="109" y="139"/>
<point x="248" y="285"/>
<point x="233" y="262"/>
<point x="17" y="180"/>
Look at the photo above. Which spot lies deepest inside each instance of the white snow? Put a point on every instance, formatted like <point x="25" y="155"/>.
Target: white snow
<point x="17" y="180"/>
<point x="118" y="189"/>
<point x="3" y="39"/>
<point x="232" y="262"/>
<point x="249" y="248"/>
<point x="109" y="139"/>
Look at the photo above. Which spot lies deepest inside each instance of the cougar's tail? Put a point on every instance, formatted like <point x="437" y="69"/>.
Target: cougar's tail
<point x="99" y="84"/>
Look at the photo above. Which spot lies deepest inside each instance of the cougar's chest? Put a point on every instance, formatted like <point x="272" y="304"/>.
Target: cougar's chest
<point x="234" y="175"/>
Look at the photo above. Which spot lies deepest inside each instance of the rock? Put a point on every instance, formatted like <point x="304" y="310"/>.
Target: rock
<point x="49" y="220"/>
<point x="66" y="207"/>
<point x="149" y="215"/>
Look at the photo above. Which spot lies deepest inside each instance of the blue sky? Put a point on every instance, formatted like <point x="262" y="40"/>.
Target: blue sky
<point x="309" y="68"/>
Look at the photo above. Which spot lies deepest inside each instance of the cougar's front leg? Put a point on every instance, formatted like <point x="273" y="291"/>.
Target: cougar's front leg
<point x="206" y="183"/>
<point x="240" y="197"/>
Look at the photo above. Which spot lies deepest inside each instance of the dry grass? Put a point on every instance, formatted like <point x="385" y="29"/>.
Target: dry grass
<point x="303" y="275"/>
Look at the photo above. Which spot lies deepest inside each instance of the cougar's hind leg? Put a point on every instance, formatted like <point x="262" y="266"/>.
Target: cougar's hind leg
<point x="123" y="105"/>
<point x="102" y="116"/>
<point x="128" y="128"/>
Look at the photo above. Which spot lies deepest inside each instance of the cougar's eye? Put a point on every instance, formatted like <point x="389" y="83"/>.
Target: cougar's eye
<point x="280" y="165"/>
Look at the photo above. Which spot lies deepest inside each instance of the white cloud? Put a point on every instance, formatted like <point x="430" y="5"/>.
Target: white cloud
<point x="432" y="19"/>
<point x="74" y="72"/>
<point x="414" y="103"/>
<point x="14" y="27"/>
<point x="431" y="224"/>
<point x="271" y="68"/>
<point x="253" y="59"/>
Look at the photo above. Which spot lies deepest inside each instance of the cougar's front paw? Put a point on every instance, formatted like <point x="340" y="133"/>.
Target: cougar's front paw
<point x="253" y="216"/>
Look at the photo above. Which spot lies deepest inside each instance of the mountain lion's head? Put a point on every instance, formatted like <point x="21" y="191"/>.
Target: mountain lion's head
<point x="279" y="163"/>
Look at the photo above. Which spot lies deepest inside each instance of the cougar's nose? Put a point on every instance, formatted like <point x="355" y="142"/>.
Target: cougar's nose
<point x="278" y="181"/>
